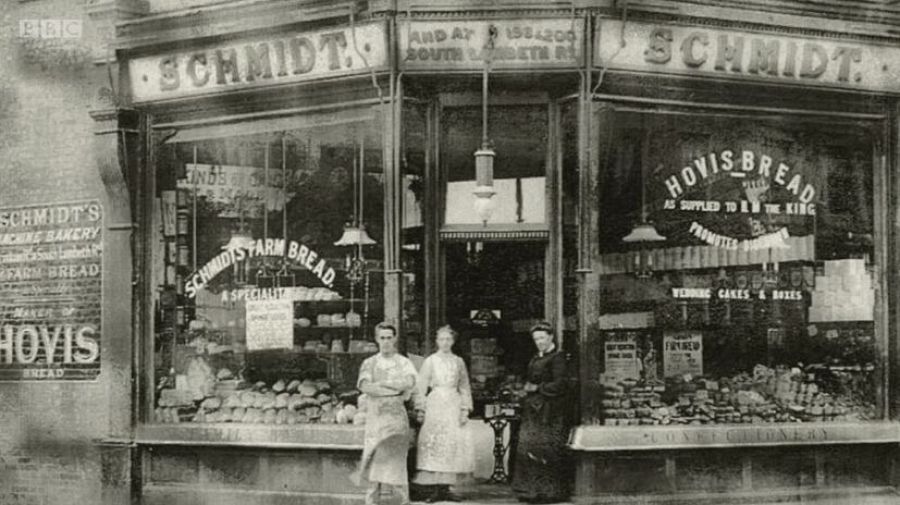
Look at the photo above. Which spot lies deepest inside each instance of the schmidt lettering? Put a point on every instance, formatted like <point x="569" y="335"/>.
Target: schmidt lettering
<point x="753" y="55"/>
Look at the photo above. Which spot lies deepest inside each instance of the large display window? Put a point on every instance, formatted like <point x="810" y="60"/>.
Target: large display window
<point x="268" y="262"/>
<point x="739" y="271"/>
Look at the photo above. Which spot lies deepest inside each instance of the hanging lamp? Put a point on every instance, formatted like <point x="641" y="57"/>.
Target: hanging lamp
<point x="484" y="157"/>
<point x="354" y="235"/>
<point x="643" y="235"/>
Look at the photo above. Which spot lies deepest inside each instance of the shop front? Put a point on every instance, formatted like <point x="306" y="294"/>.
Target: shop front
<point x="703" y="212"/>
<point x="304" y="183"/>
<point x="264" y="227"/>
<point x="737" y="337"/>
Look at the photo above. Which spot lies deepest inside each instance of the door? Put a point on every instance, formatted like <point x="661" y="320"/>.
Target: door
<point x="496" y="277"/>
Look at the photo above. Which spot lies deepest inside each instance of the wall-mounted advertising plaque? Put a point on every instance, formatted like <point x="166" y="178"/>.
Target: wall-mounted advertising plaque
<point x="50" y="291"/>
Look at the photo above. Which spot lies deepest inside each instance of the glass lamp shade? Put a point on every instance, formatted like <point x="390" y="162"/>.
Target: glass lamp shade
<point x="643" y="232"/>
<point x="484" y="204"/>
<point x="240" y="239"/>
<point x="484" y="167"/>
<point x="354" y="236"/>
<point x="484" y="183"/>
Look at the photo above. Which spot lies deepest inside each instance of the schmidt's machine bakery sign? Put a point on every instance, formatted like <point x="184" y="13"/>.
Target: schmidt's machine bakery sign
<point x="50" y="291"/>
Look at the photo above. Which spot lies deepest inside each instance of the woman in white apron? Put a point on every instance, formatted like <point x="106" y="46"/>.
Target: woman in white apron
<point x="444" y="448"/>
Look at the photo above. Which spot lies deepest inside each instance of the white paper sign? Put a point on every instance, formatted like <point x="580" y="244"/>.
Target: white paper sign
<point x="270" y="324"/>
<point x="621" y="355"/>
<point x="682" y="353"/>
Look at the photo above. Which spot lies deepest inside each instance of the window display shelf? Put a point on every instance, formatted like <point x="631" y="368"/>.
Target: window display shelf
<point x="339" y="300"/>
<point x="311" y="436"/>
<point x="325" y="328"/>
<point x="651" y="438"/>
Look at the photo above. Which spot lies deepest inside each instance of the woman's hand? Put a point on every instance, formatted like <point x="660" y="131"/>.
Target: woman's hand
<point x="463" y="416"/>
<point x="420" y="416"/>
<point x="530" y="388"/>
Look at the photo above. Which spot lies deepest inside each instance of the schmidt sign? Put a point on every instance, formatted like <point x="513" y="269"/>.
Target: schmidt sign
<point x="743" y="54"/>
<point x="260" y="62"/>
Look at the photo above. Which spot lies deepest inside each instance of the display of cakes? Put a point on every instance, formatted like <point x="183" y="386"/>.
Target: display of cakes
<point x="765" y="395"/>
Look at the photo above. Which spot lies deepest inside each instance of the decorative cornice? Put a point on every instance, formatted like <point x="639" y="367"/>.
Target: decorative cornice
<point x="117" y="9"/>
<point x="498" y="6"/>
<point x="807" y="28"/>
<point x="491" y="13"/>
<point x="823" y="19"/>
<point x="104" y="14"/>
<point x="106" y="115"/>
<point x="222" y="20"/>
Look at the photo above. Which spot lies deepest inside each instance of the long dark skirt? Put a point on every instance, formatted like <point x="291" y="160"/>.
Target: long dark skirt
<point x="543" y="469"/>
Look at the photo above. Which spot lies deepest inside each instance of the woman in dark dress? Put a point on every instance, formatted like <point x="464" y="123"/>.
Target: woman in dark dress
<point x="542" y="471"/>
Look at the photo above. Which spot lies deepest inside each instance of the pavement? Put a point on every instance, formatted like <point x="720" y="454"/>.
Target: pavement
<point x="498" y="494"/>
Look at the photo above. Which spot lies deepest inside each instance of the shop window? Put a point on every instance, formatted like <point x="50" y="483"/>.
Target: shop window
<point x="414" y="158"/>
<point x="519" y="138"/>
<point x="569" y="132"/>
<point x="737" y="262"/>
<point x="267" y="254"/>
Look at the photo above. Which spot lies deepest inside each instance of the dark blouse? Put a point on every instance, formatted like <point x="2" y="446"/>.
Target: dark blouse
<point x="542" y="469"/>
<point x="549" y="373"/>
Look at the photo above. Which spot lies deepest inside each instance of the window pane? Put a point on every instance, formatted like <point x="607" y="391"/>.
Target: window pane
<point x="519" y="136"/>
<point x="265" y="277"/>
<point x="751" y="298"/>
<point x="415" y="142"/>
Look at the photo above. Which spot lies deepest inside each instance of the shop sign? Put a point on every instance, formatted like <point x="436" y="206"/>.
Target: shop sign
<point x="259" y="62"/>
<point x="236" y="190"/>
<point x="239" y="250"/>
<point x="650" y="47"/>
<point x="461" y="45"/>
<point x="736" y="294"/>
<point x="620" y="351"/>
<point x="50" y="291"/>
<point x="753" y="186"/>
<point x="598" y="438"/>
<point x="295" y="294"/>
<point x="270" y="324"/>
<point x="682" y="353"/>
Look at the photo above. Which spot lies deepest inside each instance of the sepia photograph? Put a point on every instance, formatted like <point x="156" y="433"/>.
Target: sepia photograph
<point x="485" y="252"/>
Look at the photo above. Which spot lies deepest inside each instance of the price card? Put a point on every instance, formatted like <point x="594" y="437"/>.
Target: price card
<point x="621" y="355"/>
<point x="270" y="324"/>
<point x="682" y="353"/>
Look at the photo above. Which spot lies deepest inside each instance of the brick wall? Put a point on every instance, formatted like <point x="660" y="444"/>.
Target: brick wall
<point x="46" y="86"/>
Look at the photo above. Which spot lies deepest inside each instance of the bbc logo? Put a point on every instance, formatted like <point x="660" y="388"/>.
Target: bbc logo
<point x="50" y="28"/>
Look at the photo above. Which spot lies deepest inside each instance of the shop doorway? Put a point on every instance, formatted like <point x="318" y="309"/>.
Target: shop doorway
<point x="494" y="294"/>
<point x="495" y="273"/>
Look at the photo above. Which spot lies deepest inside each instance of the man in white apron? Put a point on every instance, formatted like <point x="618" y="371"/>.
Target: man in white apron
<point x="387" y="379"/>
